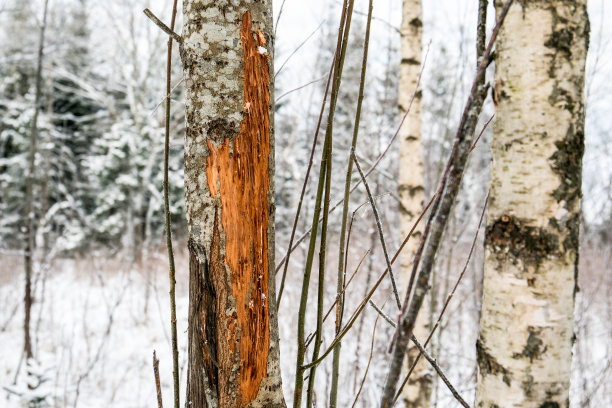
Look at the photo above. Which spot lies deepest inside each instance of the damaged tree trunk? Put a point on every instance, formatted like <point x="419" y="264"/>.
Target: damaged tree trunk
<point x="229" y="191"/>
<point x="417" y="392"/>
<point x="526" y="330"/>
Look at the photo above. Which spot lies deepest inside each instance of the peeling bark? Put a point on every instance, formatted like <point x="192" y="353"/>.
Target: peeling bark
<point x="526" y="330"/>
<point x="229" y="189"/>
<point x="417" y="392"/>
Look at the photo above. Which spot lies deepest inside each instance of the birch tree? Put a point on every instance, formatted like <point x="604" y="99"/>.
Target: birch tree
<point x="229" y="191"/>
<point x="417" y="392"/>
<point x="526" y="330"/>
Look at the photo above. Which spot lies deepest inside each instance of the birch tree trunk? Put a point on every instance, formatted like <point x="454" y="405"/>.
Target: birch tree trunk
<point x="526" y="329"/>
<point x="417" y="392"/>
<point x="229" y="190"/>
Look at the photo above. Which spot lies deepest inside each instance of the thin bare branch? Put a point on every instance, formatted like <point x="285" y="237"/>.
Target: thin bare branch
<point x="314" y="81"/>
<point x="365" y="375"/>
<point x="172" y="268"/>
<point x="380" y="231"/>
<point x="297" y="49"/>
<point x="165" y="28"/>
<point x="440" y="373"/>
<point x="306" y="234"/>
<point x="369" y="295"/>
<point x="448" y="299"/>
<point x="481" y="132"/>
<point x="382" y="314"/>
<point x="432" y="361"/>
<point x="166" y="97"/>
<point x="160" y="402"/>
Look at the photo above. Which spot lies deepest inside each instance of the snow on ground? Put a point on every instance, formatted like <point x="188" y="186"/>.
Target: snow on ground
<point x="95" y="332"/>
<point x="94" y="339"/>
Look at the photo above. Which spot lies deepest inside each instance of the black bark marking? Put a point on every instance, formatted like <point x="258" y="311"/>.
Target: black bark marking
<point x="509" y="235"/>
<point x="489" y="364"/>
<point x="416" y="22"/>
<point x="533" y="347"/>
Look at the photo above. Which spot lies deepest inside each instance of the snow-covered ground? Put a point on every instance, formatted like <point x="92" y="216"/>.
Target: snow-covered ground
<point x="96" y="325"/>
<point x="95" y="332"/>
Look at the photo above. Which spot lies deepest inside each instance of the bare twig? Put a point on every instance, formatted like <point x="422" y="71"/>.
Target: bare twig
<point x="166" y="97"/>
<point x="164" y="28"/>
<point x="172" y="269"/>
<point x="280" y="13"/>
<point x="382" y="314"/>
<point x="175" y="365"/>
<point x="380" y="231"/>
<point x="306" y="234"/>
<point x="365" y="375"/>
<point x="448" y="299"/>
<point x="440" y="373"/>
<point x="422" y="352"/>
<point x="297" y="49"/>
<point x="314" y="81"/>
<point x="481" y="132"/>
<point x="303" y="192"/>
<point x="160" y="402"/>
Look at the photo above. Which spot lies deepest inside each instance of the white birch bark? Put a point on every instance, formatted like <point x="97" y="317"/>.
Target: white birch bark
<point x="526" y="329"/>
<point x="417" y="391"/>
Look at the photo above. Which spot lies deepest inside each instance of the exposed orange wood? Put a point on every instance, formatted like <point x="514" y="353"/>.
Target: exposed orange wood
<point x="238" y="172"/>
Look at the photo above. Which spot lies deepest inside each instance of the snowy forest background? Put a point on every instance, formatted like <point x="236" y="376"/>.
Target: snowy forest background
<point x="100" y="271"/>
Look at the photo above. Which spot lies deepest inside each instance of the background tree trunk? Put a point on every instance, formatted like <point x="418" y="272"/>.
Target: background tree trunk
<point x="30" y="230"/>
<point x="417" y="392"/>
<point x="229" y="189"/>
<point x="526" y="330"/>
